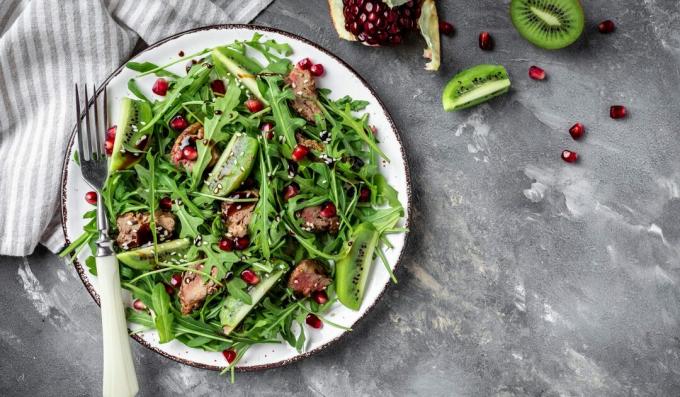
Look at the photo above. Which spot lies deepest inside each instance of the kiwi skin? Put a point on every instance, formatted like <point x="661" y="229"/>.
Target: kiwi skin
<point x="535" y="30"/>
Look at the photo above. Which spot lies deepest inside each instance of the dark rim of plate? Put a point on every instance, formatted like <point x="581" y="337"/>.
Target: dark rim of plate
<point x="81" y="270"/>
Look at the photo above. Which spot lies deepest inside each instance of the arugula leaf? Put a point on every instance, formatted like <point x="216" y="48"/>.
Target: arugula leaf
<point x="189" y="223"/>
<point x="286" y="124"/>
<point x="236" y="288"/>
<point x="161" y="307"/>
<point x="134" y="88"/>
<point x="144" y="67"/>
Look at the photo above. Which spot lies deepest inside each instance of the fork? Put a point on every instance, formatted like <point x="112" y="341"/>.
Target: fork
<point x="119" y="371"/>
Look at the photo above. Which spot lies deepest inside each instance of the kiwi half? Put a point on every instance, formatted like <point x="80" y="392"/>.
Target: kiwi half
<point x="474" y="86"/>
<point x="549" y="24"/>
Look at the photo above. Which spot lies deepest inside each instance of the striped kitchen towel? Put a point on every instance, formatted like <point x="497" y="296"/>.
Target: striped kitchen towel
<point x="45" y="47"/>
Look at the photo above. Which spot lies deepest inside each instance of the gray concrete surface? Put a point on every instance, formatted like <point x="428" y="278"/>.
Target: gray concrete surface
<point x="525" y="275"/>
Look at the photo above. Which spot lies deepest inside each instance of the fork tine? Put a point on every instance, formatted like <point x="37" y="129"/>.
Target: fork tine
<point x="106" y="111"/>
<point x="87" y="125"/>
<point x="98" y="145"/>
<point x="78" y="126"/>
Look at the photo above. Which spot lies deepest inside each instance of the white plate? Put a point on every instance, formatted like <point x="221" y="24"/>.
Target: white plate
<point x="342" y="80"/>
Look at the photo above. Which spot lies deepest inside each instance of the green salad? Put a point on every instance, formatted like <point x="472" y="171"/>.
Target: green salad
<point x="243" y="200"/>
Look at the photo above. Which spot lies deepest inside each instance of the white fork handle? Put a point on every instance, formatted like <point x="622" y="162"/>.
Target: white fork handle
<point x="120" y="379"/>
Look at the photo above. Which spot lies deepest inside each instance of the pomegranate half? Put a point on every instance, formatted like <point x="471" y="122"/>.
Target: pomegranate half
<point x="386" y="22"/>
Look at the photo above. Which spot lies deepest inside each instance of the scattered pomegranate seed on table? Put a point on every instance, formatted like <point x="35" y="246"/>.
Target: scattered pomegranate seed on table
<point x="218" y="87"/>
<point x="253" y="105"/>
<point x="328" y="210"/>
<point x="226" y="244"/>
<point x="536" y="73"/>
<point x="485" y="41"/>
<point x="606" y="26"/>
<point x="178" y="123"/>
<point x="569" y="156"/>
<point x="160" y="87"/>
<point x="320" y="297"/>
<point x="176" y="280"/>
<point x="305" y="63"/>
<point x="299" y="153"/>
<point x="290" y="191"/>
<point x="576" y="131"/>
<point x="229" y="355"/>
<point x="313" y="321"/>
<point x="242" y="243"/>
<point x="618" y="112"/>
<point x="138" y="305"/>
<point x="91" y="197"/>
<point x="165" y="203"/>
<point x="446" y="28"/>
<point x="317" y="69"/>
<point x="190" y="153"/>
<point x="249" y="277"/>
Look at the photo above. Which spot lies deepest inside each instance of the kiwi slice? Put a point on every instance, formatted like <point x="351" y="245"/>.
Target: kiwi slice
<point x="351" y="272"/>
<point x="144" y="258"/>
<point x="474" y="86"/>
<point x="130" y="141"/>
<point x="549" y="24"/>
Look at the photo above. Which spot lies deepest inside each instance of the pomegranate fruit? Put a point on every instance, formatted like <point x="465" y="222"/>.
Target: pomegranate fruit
<point x="226" y="244"/>
<point x="364" y="194"/>
<point x="328" y="210"/>
<point x="485" y="41"/>
<point x="569" y="156"/>
<point x="299" y="153"/>
<point x="291" y="191"/>
<point x="176" y="280"/>
<point x="218" y="87"/>
<point x="618" y="112"/>
<point x="241" y="243"/>
<point x="388" y="22"/>
<point x="317" y="70"/>
<point x="253" y="105"/>
<point x="536" y="73"/>
<point x="91" y="197"/>
<point x="305" y="63"/>
<point x="249" y="277"/>
<point x="313" y="321"/>
<point x="160" y="87"/>
<point x="577" y="130"/>
<point x="229" y="355"/>
<point x="165" y="203"/>
<point x="179" y="123"/>
<point x="446" y="28"/>
<point x="606" y="26"/>
<point x="320" y="297"/>
<point x="138" y="305"/>
<point x="169" y="289"/>
<point x="190" y="153"/>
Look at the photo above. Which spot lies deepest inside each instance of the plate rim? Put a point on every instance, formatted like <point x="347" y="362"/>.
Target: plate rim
<point x="407" y="221"/>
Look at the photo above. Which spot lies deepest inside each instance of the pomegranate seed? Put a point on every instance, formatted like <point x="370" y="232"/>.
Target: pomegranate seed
<point x="226" y="245"/>
<point x="190" y="153"/>
<point x="446" y="28"/>
<point x="178" y="123"/>
<point x="169" y="289"/>
<point x="160" y="87"/>
<point x="299" y="153"/>
<point x="313" y="321"/>
<point x="317" y="70"/>
<point x="138" y="305"/>
<point x="305" y="63"/>
<point x="165" y="203"/>
<point x="254" y="105"/>
<point x="485" y="41"/>
<point x="320" y="297"/>
<point x="577" y="131"/>
<point x="606" y="26"/>
<point x="536" y="73"/>
<point x="242" y="243"/>
<point x="618" y="112"/>
<point x="328" y="210"/>
<point x="569" y="156"/>
<point x="111" y="133"/>
<point x="229" y="355"/>
<point x="108" y="147"/>
<point x="176" y="280"/>
<point x="249" y="277"/>
<point x="218" y="87"/>
<point x="91" y="197"/>
<point x="267" y="128"/>
<point x="364" y="194"/>
<point x="291" y="191"/>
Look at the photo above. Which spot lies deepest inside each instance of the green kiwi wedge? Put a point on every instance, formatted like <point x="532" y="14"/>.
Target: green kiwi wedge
<point x="475" y="85"/>
<point x="549" y="24"/>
